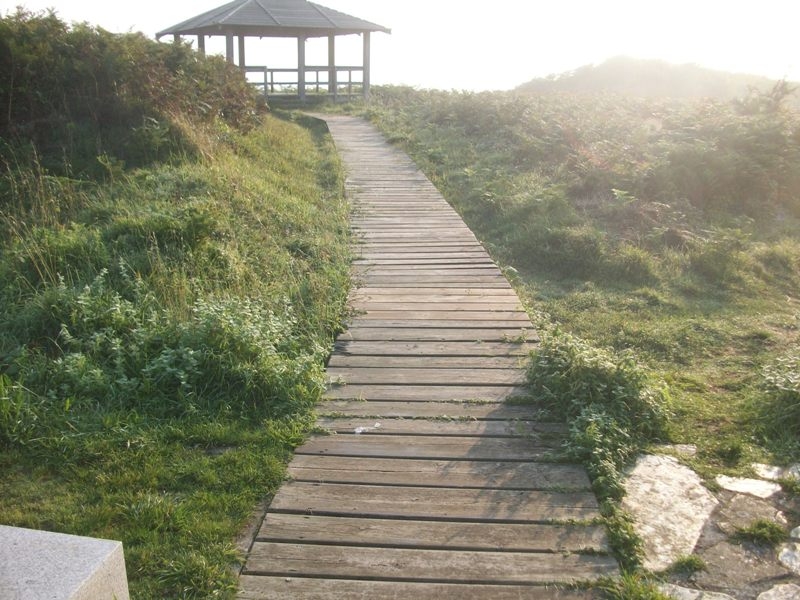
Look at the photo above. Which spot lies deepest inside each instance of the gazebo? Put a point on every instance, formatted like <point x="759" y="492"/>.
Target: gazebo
<point x="286" y="19"/>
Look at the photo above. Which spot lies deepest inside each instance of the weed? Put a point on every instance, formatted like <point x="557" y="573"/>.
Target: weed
<point x="631" y="586"/>
<point x="763" y="532"/>
<point x="687" y="565"/>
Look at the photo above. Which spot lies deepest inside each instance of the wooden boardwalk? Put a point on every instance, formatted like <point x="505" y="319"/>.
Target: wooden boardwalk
<point x="430" y="485"/>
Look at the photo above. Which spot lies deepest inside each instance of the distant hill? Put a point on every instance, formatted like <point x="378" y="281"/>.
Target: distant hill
<point x="649" y="79"/>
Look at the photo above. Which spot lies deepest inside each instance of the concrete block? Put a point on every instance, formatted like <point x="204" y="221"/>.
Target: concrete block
<point x="40" y="565"/>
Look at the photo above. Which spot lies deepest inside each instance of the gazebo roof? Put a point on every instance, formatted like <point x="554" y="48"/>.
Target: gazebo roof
<point x="272" y="18"/>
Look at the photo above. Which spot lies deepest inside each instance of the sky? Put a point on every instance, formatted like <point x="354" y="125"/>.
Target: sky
<point x="480" y="45"/>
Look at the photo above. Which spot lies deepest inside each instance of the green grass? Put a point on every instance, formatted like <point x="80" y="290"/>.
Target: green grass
<point x="763" y="532"/>
<point x="165" y="314"/>
<point x="163" y="348"/>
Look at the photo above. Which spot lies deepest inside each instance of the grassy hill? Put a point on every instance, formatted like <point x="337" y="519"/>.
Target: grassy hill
<point x="173" y="268"/>
<point x="649" y="79"/>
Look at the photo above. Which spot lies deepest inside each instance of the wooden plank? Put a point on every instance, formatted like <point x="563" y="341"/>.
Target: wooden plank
<point x="433" y="334"/>
<point x="445" y="315"/>
<point x="425" y="565"/>
<point x="457" y="349"/>
<point x="431" y="362"/>
<point x="300" y="588"/>
<point x="476" y="290"/>
<point x="361" y="322"/>
<point x="434" y="535"/>
<point x="430" y="254"/>
<point x="414" y="410"/>
<point x="423" y="393"/>
<point x="433" y="377"/>
<point x="429" y="447"/>
<point x="449" y="504"/>
<point x="439" y="473"/>
<point x="422" y="303"/>
<point x="533" y="430"/>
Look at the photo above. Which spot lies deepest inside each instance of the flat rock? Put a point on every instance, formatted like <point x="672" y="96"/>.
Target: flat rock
<point x="786" y="591"/>
<point x="743" y="485"/>
<point x="789" y="555"/>
<point x="681" y="593"/>
<point x="795" y="533"/>
<point x="669" y="506"/>
<point x="773" y="473"/>
<point x="738" y="567"/>
<point x="742" y="510"/>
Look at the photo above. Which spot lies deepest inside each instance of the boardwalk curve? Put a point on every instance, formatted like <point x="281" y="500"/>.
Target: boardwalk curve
<point x="430" y="484"/>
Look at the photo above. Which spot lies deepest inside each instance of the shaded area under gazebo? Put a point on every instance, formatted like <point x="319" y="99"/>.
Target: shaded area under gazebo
<point x="298" y="19"/>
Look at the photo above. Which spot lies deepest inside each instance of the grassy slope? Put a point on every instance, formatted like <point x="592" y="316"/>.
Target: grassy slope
<point x="226" y="335"/>
<point x="665" y="228"/>
<point x="163" y="328"/>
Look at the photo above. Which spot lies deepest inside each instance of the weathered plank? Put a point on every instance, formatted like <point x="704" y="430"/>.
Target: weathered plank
<point x="438" y="473"/>
<point x="345" y="348"/>
<point x="443" y="428"/>
<point x="435" y="334"/>
<point x="346" y="361"/>
<point x="414" y="314"/>
<point x="434" y="535"/>
<point x="429" y="447"/>
<point x="299" y="588"/>
<point x="423" y="393"/>
<point x="434" y="377"/>
<point x="431" y="565"/>
<point x="452" y="411"/>
<point x="464" y="290"/>
<point x="448" y="323"/>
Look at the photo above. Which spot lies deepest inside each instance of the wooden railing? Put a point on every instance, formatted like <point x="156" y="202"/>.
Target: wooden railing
<point x="334" y="81"/>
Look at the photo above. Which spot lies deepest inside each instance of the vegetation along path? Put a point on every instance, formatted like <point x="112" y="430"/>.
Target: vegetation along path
<point x="430" y="483"/>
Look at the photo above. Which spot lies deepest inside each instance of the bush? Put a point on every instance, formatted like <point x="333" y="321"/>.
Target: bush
<point x="72" y="94"/>
<point x="611" y="403"/>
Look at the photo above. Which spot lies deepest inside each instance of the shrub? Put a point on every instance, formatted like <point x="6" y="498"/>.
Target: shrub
<point x="611" y="403"/>
<point x="71" y="94"/>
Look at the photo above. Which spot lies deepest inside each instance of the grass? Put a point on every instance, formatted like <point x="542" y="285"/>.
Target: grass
<point x="164" y="316"/>
<point x="162" y="352"/>
<point x="660" y="231"/>
<point x="762" y="532"/>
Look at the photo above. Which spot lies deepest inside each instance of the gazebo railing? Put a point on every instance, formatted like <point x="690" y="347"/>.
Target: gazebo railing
<point x="285" y="82"/>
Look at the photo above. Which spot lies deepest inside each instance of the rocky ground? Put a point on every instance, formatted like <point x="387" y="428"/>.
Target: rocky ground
<point x="678" y="516"/>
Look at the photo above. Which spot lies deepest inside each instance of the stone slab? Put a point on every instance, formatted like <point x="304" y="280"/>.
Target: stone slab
<point x="773" y="473"/>
<point x="744" y="485"/>
<point x="789" y="555"/>
<point x="38" y="565"/>
<point x="786" y="591"/>
<point x="669" y="505"/>
<point x="743" y="510"/>
<point x="732" y="567"/>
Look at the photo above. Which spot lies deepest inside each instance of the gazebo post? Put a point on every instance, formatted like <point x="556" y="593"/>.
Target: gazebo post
<point x="366" y="65"/>
<point x="301" y="67"/>
<point x="176" y="39"/>
<point x="242" y="63"/>
<point x="201" y="44"/>
<point x="332" y="83"/>
<point x="229" y="47"/>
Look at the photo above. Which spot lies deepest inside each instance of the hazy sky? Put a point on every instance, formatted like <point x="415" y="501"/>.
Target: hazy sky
<point x="458" y="44"/>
